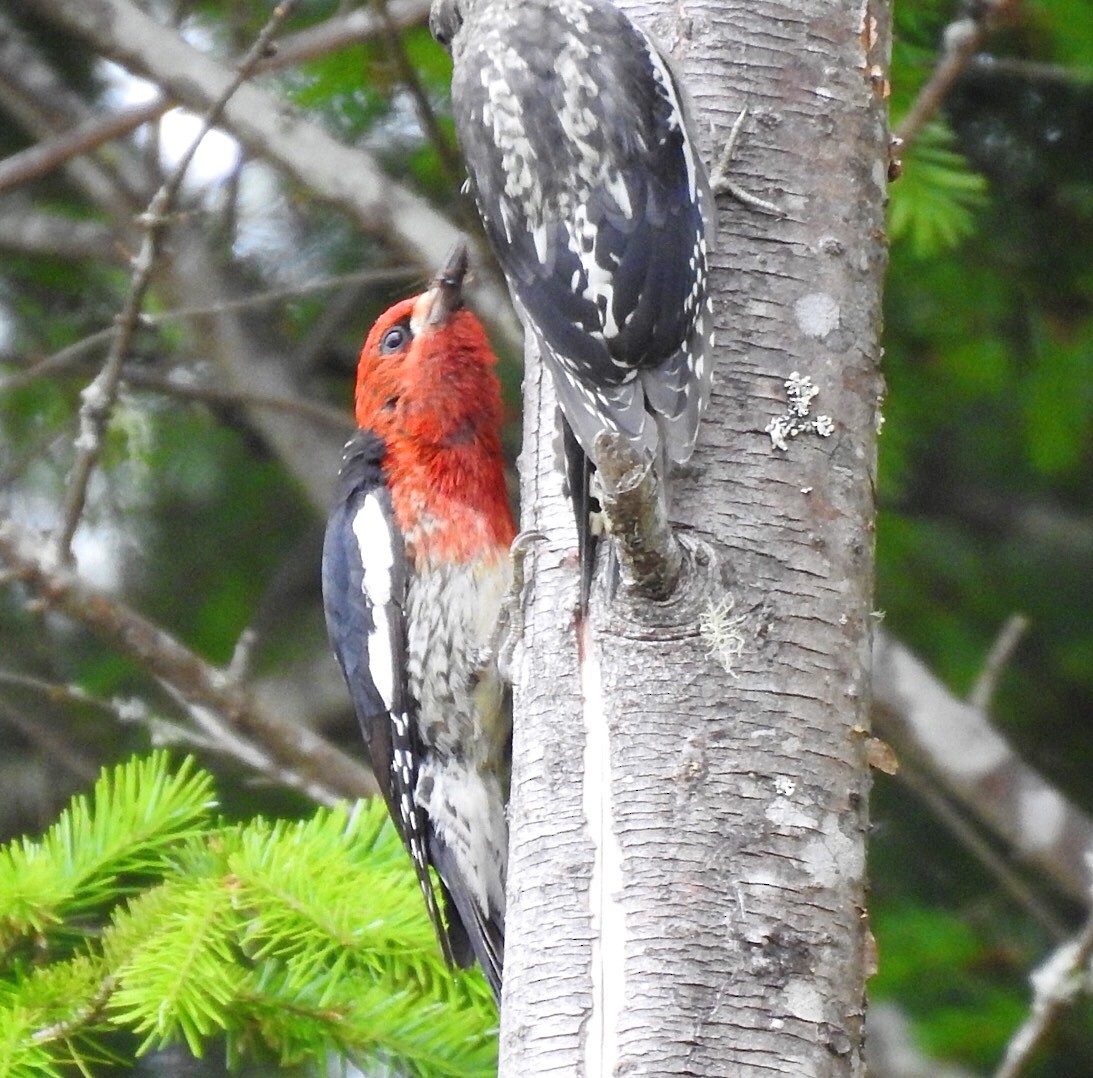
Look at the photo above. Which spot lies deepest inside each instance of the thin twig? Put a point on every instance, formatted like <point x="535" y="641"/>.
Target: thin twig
<point x="1034" y="70"/>
<point x="962" y="40"/>
<point x="98" y="398"/>
<point x="329" y="36"/>
<point x="279" y="295"/>
<point x="997" y="660"/>
<point x="320" y="414"/>
<point x="212" y="736"/>
<point x="426" y="116"/>
<point x="55" y="692"/>
<point x="46" y="444"/>
<point x="342" y="30"/>
<point x="73" y="353"/>
<point x="54" y="745"/>
<point x="313" y="765"/>
<point x="57" y="362"/>
<point x="961" y="829"/>
<point x="348" y="178"/>
<point x="48" y="154"/>
<point x="1055" y="985"/>
<point x="80" y="1017"/>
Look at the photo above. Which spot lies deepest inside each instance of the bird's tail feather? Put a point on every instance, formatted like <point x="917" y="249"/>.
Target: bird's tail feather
<point x="474" y="933"/>
<point x="578" y="470"/>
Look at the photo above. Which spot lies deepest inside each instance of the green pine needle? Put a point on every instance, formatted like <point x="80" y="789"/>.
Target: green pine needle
<point x="934" y="205"/>
<point x="175" y="964"/>
<point x="127" y="828"/>
<point x="314" y="901"/>
<point x="290" y="939"/>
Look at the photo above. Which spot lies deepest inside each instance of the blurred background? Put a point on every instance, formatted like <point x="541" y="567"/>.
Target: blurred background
<point x="207" y="512"/>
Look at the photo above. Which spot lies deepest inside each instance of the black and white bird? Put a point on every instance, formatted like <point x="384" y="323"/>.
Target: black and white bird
<point x="584" y="166"/>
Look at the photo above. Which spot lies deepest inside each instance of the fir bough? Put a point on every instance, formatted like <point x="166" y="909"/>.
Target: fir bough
<point x="935" y="204"/>
<point x="141" y="912"/>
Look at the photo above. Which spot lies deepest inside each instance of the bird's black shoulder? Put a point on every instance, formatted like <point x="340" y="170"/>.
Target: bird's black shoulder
<point x="362" y="464"/>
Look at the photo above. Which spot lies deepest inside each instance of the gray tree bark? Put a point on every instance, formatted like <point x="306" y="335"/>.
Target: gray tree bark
<point x="687" y="873"/>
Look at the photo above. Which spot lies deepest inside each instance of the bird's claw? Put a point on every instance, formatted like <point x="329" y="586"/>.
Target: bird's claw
<point x="720" y="183"/>
<point x="510" y="620"/>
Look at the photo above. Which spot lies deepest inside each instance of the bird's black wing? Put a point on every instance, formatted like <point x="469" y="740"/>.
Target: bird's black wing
<point x="594" y="198"/>
<point x="364" y="587"/>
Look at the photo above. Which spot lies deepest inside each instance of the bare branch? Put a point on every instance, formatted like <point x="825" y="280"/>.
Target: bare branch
<point x="98" y="398"/>
<point x="324" y="772"/>
<point x="632" y="501"/>
<point x="276" y="296"/>
<point x="30" y="232"/>
<point x="59" y="361"/>
<point x="73" y="353"/>
<point x="962" y="40"/>
<point x="1055" y="985"/>
<point x="320" y="414"/>
<point x="333" y="34"/>
<point x="940" y="806"/>
<point x="347" y="177"/>
<point x="989" y="64"/>
<point x="33" y="94"/>
<point x="254" y="366"/>
<point x="56" y="747"/>
<point x="342" y="30"/>
<point x="963" y="752"/>
<point x="426" y="117"/>
<point x="997" y="660"/>
<point x="215" y="738"/>
<point x="49" y="154"/>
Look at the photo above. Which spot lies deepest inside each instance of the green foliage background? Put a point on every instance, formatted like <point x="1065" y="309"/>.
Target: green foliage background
<point x="141" y="920"/>
<point x="986" y="494"/>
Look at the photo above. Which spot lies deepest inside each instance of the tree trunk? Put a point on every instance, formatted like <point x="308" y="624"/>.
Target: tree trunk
<point x="686" y="879"/>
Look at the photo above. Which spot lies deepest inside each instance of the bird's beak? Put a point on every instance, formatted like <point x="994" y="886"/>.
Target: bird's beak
<point x="447" y="290"/>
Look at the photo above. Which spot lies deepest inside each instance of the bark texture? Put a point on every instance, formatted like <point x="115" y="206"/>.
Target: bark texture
<point x="689" y="792"/>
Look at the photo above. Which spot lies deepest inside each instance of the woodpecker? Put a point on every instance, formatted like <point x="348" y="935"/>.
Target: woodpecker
<point x="415" y="570"/>
<point x="583" y="163"/>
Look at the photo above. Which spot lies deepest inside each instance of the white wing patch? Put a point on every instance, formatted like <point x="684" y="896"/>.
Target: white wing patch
<point x="600" y="289"/>
<point x="376" y="543"/>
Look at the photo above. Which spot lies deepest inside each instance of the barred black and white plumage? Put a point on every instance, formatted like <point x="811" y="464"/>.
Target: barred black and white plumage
<point x="585" y="171"/>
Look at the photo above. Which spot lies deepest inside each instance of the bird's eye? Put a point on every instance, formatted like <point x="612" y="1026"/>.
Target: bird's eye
<point x="394" y="339"/>
<point x="445" y="19"/>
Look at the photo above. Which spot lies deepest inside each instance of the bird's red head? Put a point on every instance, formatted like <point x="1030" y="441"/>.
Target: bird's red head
<point x="426" y="385"/>
<point x="426" y="373"/>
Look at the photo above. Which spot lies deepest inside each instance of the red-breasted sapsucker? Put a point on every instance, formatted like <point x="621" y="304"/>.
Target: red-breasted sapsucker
<point x="416" y="567"/>
<point x="582" y="160"/>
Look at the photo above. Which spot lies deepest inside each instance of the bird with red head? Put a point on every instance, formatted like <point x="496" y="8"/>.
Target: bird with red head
<point x="416" y="569"/>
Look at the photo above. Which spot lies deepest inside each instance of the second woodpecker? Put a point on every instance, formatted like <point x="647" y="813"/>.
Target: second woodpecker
<point x="584" y="166"/>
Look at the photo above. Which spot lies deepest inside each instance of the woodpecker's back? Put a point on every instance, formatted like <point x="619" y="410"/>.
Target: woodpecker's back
<point x="577" y="143"/>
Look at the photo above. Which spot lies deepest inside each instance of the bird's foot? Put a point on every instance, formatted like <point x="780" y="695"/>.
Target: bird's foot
<point x="510" y="621"/>
<point x="720" y="183"/>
